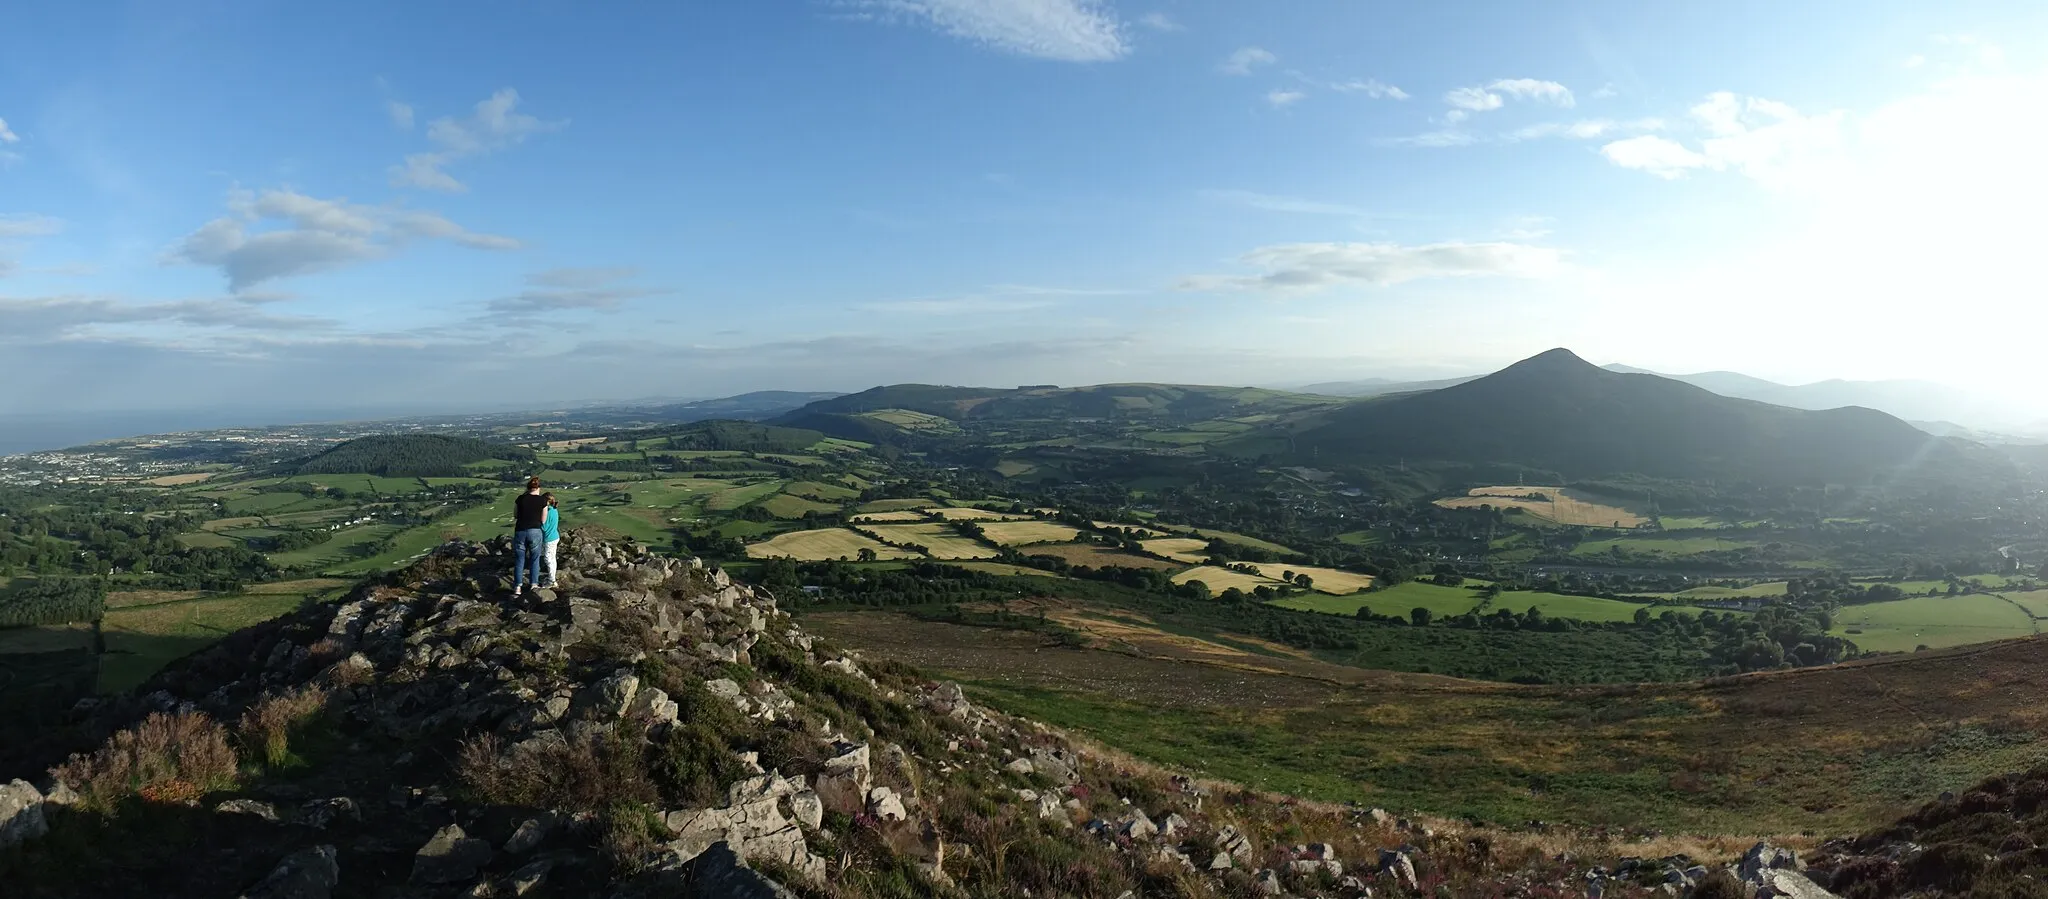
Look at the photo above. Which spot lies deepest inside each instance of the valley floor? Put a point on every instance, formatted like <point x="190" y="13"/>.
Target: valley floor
<point x="1831" y="749"/>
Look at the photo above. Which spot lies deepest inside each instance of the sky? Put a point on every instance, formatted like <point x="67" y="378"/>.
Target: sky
<point x="404" y="205"/>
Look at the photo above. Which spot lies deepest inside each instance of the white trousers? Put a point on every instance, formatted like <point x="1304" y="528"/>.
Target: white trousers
<point x="552" y="545"/>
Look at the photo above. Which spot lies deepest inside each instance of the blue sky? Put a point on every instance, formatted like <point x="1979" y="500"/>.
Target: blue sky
<point x="385" y="204"/>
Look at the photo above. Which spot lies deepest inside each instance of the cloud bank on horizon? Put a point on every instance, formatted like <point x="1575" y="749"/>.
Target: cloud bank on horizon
<point x="694" y="200"/>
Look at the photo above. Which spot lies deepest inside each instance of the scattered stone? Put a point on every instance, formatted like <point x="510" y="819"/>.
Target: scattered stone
<point x="531" y="832"/>
<point x="808" y="809"/>
<point x="844" y="782"/>
<point x="1400" y="866"/>
<point x="449" y="857"/>
<point x="1267" y="883"/>
<point x="1221" y="862"/>
<point x="884" y="804"/>
<point x="320" y="813"/>
<point x="305" y="874"/>
<point x="719" y="872"/>
<point x="249" y="807"/>
<point x="21" y="813"/>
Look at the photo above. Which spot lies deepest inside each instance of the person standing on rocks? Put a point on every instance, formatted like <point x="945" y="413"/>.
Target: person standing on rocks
<point x="551" y="531"/>
<point x="529" y="542"/>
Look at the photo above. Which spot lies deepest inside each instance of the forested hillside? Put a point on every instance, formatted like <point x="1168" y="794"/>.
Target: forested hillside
<point x="410" y="455"/>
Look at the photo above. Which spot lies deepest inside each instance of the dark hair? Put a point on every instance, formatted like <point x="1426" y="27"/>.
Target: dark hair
<point x="533" y="483"/>
<point x="549" y="497"/>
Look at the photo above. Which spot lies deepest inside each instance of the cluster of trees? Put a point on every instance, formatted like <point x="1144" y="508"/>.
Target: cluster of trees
<point x="99" y="532"/>
<point x="411" y="455"/>
<point x="52" y="600"/>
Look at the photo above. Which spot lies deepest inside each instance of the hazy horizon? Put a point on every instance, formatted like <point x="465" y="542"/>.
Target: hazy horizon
<point x="541" y="206"/>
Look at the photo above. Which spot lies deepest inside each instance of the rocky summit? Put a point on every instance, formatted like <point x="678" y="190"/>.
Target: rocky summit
<point x="650" y="728"/>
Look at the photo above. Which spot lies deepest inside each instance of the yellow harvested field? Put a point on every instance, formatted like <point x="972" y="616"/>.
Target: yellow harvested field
<point x="824" y="545"/>
<point x="963" y="513"/>
<point x="1019" y="533"/>
<point x="1562" y="505"/>
<point x="1179" y="549"/>
<point x="179" y="480"/>
<point x="892" y="516"/>
<point x="1333" y="581"/>
<point x="1221" y="579"/>
<point x="939" y="540"/>
<point x="1096" y="556"/>
<point x="1136" y="531"/>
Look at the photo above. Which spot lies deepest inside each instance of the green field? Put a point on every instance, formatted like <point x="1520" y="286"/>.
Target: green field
<point x="783" y="505"/>
<point x="734" y="497"/>
<point x="819" y="490"/>
<point x="1931" y="621"/>
<point x="362" y="483"/>
<point x="1768" y="588"/>
<point x="2035" y="602"/>
<point x="1241" y="540"/>
<point x="340" y="549"/>
<point x="1442" y="602"/>
<point x="273" y="503"/>
<point x="142" y="639"/>
<point x="203" y="538"/>
<point x="1657" y="546"/>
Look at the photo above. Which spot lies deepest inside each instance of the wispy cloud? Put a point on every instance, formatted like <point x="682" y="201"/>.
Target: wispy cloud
<point x="996" y="299"/>
<point x="1284" y="97"/>
<point x="1494" y="95"/>
<point x="1371" y="87"/>
<point x="1246" y="59"/>
<point x="572" y="290"/>
<point x="1442" y="137"/>
<point x="494" y="125"/>
<point x="401" y="114"/>
<point x="1764" y="139"/>
<point x="42" y="318"/>
<point x="315" y="235"/>
<point x="1583" y="129"/>
<point x="28" y="225"/>
<point x="1272" y="203"/>
<point x="7" y="135"/>
<point x="1306" y="267"/>
<point x="1063" y="30"/>
<point x="1159" y="21"/>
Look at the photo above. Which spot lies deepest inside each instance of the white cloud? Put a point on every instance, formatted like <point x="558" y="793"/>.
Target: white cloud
<point x="28" y="225"/>
<point x="494" y="125"/>
<point x="1915" y="61"/>
<point x="317" y="235"/>
<point x="1371" y="87"/>
<point x="401" y="114"/>
<point x="61" y="317"/>
<point x="7" y="135"/>
<point x="1246" y="59"/>
<point x="1271" y="203"/>
<point x="1445" y="137"/>
<point x="1284" y="97"/>
<point x="1583" y="129"/>
<point x="1659" y="156"/>
<point x="1304" y="267"/>
<point x="1488" y="97"/>
<point x="994" y="300"/>
<point x="1476" y="99"/>
<point x="1159" y="21"/>
<point x="1766" y="140"/>
<point x="570" y="290"/>
<point x="1063" y="30"/>
<point x="1605" y="91"/>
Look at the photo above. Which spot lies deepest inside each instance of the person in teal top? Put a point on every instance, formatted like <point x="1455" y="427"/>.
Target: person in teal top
<point x="551" y="531"/>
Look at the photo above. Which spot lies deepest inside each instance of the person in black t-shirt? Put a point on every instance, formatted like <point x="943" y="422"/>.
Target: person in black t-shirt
<point x="529" y="544"/>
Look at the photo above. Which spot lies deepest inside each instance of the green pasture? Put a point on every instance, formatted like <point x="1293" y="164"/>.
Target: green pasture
<point x="1932" y="621"/>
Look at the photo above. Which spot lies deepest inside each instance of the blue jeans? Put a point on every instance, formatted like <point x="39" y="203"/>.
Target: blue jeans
<point x="529" y="550"/>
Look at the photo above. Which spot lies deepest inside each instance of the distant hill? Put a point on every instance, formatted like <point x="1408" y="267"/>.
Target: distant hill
<point x="1382" y="386"/>
<point x="1559" y="413"/>
<point x="908" y="408"/>
<point x="411" y="455"/>
<point x="744" y="436"/>
<point x="1907" y="399"/>
<point x="754" y="406"/>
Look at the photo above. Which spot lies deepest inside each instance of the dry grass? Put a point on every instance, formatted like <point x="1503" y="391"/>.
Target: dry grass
<point x="179" y="480"/>
<point x="1564" y="506"/>
<point x="824" y="545"/>
<point x="269" y="724"/>
<point x="940" y="540"/>
<point x="1221" y="579"/>
<point x="1180" y="549"/>
<point x="1333" y="581"/>
<point x="594" y="773"/>
<point x="903" y="516"/>
<point x="166" y="758"/>
<point x="1020" y="533"/>
<point x="1095" y="556"/>
<point x="126" y="599"/>
<point x="964" y="513"/>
